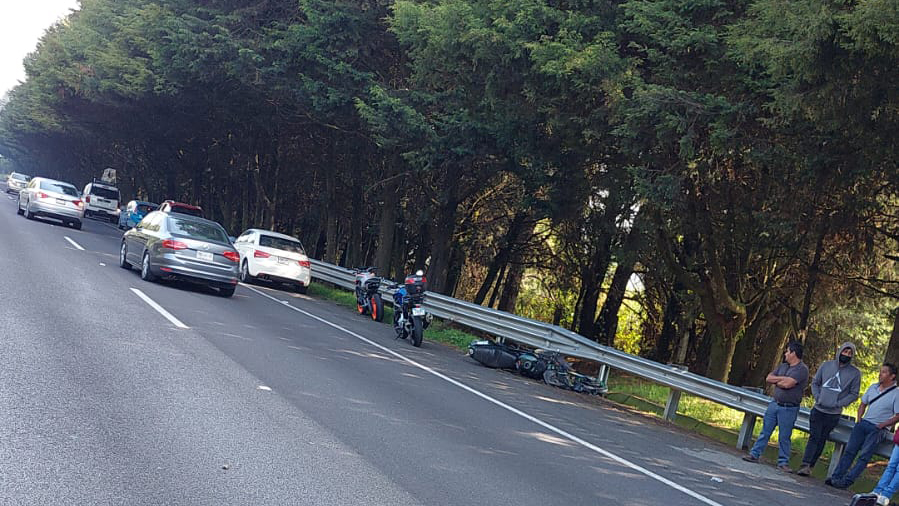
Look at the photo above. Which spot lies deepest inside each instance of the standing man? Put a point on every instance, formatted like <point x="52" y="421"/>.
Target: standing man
<point x="878" y="412"/>
<point x="835" y="386"/>
<point x="789" y="380"/>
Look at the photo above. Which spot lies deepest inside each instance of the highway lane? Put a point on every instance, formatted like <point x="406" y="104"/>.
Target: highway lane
<point x="185" y="401"/>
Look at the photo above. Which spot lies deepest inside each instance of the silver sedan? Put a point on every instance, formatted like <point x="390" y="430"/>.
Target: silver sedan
<point x="51" y="199"/>
<point x="180" y="246"/>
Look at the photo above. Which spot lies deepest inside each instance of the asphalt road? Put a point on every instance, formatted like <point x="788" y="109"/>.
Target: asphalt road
<point x="271" y="397"/>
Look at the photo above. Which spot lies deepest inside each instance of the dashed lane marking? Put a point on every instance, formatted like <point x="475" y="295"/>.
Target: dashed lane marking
<point x="73" y="243"/>
<point x="161" y="310"/>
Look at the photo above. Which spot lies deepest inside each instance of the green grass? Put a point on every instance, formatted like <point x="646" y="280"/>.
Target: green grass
<point x="712" y="420"/>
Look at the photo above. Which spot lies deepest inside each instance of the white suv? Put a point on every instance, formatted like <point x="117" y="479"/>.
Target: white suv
<point x="101" y="200"/>
<point x="273" y="257"/>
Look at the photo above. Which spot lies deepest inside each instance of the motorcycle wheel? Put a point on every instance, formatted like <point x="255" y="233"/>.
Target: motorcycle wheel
<point x="417" y="331"/>
<point x="377" y="308"/>
<point x="359" y="307"/>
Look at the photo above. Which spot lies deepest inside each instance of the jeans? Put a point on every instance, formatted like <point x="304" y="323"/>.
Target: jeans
<point x="889" y="481"/>
<point x="863" y="441"/>
<point x="783" y="418"/>
<point x="820" y="426"/>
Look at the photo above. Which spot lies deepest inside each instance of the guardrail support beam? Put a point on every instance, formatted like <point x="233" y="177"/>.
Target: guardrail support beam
<point x="671" y="405"/>
<point x="745" y="436"/>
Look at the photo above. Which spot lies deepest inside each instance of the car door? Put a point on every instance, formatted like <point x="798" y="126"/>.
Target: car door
<point x="136" y="238"/>
<point x="25" y="194"/>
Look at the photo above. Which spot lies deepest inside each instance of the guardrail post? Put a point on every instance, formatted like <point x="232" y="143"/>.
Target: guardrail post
<point x="745" y="435"/>
<point x="671" y="405"/>
<point x="603" y="375"/>
<point x="835" y="456"/>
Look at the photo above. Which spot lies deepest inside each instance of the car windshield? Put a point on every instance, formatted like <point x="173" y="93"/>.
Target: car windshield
<point x="67" y="189"/>
<point x="198" y="230"/>
<point x="19" y="177"/>
<point x="269" y="241"/>
<point x="106" y="193"/>
<point x="145" y="208"/>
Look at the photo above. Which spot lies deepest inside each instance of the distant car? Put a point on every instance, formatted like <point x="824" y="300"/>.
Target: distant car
<point x="52" y="199"/>
<point x="101" y="199"/>
<point x="273" y="257"/>
<point x="134" y="212"/>
<point x="172" y="245"/>
<point x="16" y="181"/>
<point x="170" y="206"/>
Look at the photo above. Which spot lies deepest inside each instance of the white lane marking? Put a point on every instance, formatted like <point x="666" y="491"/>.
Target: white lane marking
<point x="73" y="243"/>
<point x="548" y="426"/>
<point x="160" y="309"/>
<point x="264" y="388"/>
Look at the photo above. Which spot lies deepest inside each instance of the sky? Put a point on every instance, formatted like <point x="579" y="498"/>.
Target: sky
<point x="22" y="22"/>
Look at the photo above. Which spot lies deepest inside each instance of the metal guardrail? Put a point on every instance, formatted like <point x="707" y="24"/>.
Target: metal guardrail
<point x="507" y="326"/>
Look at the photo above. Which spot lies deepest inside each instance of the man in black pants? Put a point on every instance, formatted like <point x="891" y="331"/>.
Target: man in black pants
<point x="835" y="386"/>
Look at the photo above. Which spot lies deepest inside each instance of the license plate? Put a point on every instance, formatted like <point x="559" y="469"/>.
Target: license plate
<point x="283" y="261"/>
<point x="418" y="311"/>
<point x="61" y="202"/>
<point x="206" y="257"/>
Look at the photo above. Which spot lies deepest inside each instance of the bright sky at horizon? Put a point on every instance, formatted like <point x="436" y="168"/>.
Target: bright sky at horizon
<point x="22" y="23"/>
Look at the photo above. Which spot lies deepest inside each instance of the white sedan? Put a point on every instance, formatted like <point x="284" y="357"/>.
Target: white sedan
<point x="273" y="257"/>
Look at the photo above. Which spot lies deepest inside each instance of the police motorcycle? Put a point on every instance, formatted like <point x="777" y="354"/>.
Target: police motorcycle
<point x="409" y="316"/>
<point x="368" y="300"/>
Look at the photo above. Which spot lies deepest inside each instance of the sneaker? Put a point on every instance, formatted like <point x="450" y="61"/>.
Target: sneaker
<point x="804" y="470"/>
<point x="828" y="482"/>
<point x="839" y="484"/>
<point x="750" y="458"/>
<point x="785" y="469"/>
<point x="882" y="500"/>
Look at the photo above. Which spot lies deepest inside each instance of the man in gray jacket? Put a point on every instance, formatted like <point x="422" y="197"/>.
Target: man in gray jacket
<point x="835" y="386"/>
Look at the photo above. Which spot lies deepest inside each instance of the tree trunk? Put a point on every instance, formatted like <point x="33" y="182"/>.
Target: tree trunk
<point x="892" y="354"/>
<point x="332" y="218"/>
<point x="387" y="227"/>
<point x="499" y="281"/>
<point x="511" y="287"/>
<point x="607" y="321"/>
<point x="441" y="253"/>
<point x="591" y="279"/>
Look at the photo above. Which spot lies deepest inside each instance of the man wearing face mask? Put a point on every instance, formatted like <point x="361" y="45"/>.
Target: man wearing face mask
<point x="835" y="386"/>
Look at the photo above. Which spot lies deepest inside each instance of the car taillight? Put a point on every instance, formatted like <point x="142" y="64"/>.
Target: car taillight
<point x="87" y="198"/>
<point x="260" y="254"/>
<point x="173" y="244"/>
<point x="305" y="263"/>
<point x="77" y="203"/>
<point x="42" y="195"/>
<point x="232" y="255"/>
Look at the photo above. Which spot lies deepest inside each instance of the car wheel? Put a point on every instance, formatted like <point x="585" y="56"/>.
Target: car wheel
<point x="19" y="207"/>
<point x="76" y="225"/>
<point x="245" y="276"/>
<point x="123" y="257"/>
<point x="28" y="215"/>
<point x="146" y="273"/>
<point x="226" y="291"/>
<point x="300" y="288"/>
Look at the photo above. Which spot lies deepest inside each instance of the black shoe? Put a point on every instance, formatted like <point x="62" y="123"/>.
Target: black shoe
<point x="828" y="482"/>
<point x="750" y="458"/>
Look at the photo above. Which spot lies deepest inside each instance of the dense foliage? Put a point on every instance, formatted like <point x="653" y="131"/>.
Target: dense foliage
<point x="696" y="180"/>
